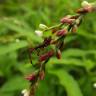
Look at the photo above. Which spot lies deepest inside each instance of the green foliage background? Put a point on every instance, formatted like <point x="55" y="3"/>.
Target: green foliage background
<point x="73" y="75"/>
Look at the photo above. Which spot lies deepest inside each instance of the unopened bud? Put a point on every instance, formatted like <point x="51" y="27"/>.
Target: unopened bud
<point x="67" y="19"/>
<point x="74" y="29"/>
<point x="85" y="10"/>
<point x="46" y="56"/>
<point x="86" y="7"/>
<point x="78" y="21"/>
<point x="61" y="32"/>
<point x="85" y="4"/>
<point x="39" y="33"/>
<point x="43" y="27"/>
<point x="24" y="92"/>
<point x="31" y="77"/>
<point x="58" y="54"/>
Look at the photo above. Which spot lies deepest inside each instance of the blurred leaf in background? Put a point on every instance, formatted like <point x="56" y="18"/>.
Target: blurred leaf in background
<point x="73" y="75"/>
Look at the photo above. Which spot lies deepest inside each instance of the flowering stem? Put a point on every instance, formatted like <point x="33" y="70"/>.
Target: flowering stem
<point x="71" y="25"/>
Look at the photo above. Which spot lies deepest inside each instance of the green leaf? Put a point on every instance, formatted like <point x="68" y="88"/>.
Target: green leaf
<point x="23" y="31"/>
<point x="7" y="94"/>
<point x="77" y="53"/>
<point x="16" y="83"/>
<point x="86" y="34"/>
<point x="68" y="82"/>
<point x="76" y="62"/>
<point x="12" y="47"/>
<point x="73" y="52"/>
<point x="89" y="64"/>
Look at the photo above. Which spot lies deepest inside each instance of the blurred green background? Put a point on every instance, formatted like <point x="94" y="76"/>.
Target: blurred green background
<point x="73" y="75"/>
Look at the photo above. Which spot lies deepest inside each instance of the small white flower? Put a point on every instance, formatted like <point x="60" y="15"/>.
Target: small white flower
<point x="25" y="92"/>
<point x="94" y="85"/>
<point x="39" y="33"/>
<point x="43" y="27"/>
<point x="85" y="4"/>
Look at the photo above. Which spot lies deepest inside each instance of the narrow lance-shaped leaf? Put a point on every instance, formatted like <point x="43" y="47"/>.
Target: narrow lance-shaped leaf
<point x="68" y="82"/>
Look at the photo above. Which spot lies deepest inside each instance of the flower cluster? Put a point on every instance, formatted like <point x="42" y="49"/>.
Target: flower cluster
<point x="68" y="25"/>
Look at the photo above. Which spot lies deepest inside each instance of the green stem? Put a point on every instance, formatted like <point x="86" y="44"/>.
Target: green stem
<point x="56" y="26"/>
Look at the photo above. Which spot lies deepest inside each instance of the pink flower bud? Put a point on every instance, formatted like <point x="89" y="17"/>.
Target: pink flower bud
<point x="85" y="10"/>
<point x="46" y="56"/>
<point x="89" y="9"/>
<point x="31" y="77"/>
<point x="61" y="32"/>
<point x="67" y="20"/>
